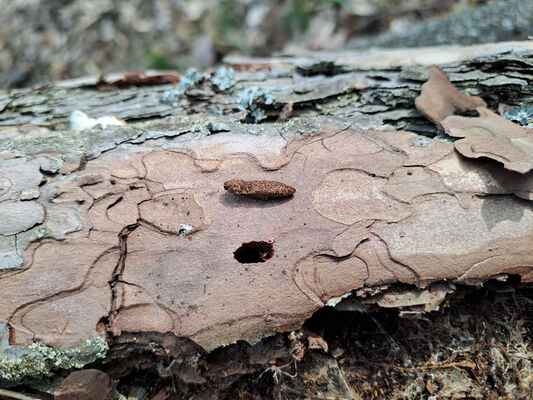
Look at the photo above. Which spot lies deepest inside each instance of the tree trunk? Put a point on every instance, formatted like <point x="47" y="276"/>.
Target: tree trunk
<point x="127" y="236"/>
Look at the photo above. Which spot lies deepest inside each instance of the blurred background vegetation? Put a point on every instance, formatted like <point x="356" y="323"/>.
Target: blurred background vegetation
<point x="45" y="40"/>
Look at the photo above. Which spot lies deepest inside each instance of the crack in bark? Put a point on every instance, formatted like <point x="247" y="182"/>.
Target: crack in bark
<point x="416" y="276"/>
<point x="115" y="282"/>
<point x="17" y="316"/>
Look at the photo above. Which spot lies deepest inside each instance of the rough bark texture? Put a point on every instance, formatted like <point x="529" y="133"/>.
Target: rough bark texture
<point x="126" y="232"/>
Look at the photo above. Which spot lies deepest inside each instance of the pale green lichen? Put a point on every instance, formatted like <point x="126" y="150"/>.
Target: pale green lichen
<point x="522" y="115"/>
<point x="39" y="360"/>
<point x="252" y="98"/>
<point x="55" y="163"/>
<point x="40" y="233"/>
<point x="65" y="141"/>
<point x="224" y="78"/>
<point x="192" y="77"/>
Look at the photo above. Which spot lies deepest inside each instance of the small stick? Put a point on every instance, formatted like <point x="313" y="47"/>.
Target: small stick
<point x="10" y="395"/>
<point x="286" y="112"/>
<point x="458" y="364"/>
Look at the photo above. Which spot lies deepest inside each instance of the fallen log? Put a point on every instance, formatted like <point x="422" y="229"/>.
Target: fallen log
<point x="122" y="234"/>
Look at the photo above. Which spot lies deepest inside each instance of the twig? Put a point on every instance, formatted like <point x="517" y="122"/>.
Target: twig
<point x="393" y="343"/>
<point x="277" y="372"/>
<point x="10" y="395"/>
<point x="519" y="355"/>
<point x="289" y="390"/>
<point x="465" y="364"/>
<point x="343" y="381"/>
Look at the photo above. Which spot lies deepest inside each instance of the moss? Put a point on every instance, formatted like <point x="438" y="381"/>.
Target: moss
<point x="39" y="360"/>
<point x="298" y="15"/>
<point x="223" y="23"/>
<point x="160" y="61"/>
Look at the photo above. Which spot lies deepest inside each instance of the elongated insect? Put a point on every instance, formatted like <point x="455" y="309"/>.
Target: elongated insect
<point x="260" y="189"/>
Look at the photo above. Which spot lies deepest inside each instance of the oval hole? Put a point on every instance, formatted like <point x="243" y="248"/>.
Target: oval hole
<point x="254" y="252"/>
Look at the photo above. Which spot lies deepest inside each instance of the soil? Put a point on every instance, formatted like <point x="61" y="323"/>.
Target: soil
<point x="477" y="346"/>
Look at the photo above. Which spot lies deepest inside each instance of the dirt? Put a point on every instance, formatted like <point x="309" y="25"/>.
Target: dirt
<point x="477" y="346"/>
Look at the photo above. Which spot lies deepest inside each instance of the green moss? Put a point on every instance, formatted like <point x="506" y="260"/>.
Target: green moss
<point x="161" y="61"/>
<point x="298" y="15"/>
<point x="39" y="360"/>
<point x="228" y="16"/>
<point x="223" y="23"/>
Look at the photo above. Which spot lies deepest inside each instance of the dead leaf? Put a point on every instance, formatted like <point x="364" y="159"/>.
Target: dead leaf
<point x="316" y="342"/>
<point x="337" y="352"/>
<point x="429" y="387"/>
<point x="440" y="99"/>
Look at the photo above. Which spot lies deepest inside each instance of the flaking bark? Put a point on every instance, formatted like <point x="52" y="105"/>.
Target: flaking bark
<point x="374" y="207"/>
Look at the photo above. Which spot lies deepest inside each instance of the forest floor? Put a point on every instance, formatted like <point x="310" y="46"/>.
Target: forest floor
<point x="48" y="40"/>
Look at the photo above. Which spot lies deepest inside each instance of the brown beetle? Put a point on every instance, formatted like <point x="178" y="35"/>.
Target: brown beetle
<point x="259" y="189"/>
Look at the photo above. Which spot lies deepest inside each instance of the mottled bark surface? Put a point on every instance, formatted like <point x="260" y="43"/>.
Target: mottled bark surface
<point x="128" y="230"/>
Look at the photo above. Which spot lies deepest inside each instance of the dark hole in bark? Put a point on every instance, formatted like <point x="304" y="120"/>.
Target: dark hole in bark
<point x="254" y="252"/>
<point x="466" y="113"/>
